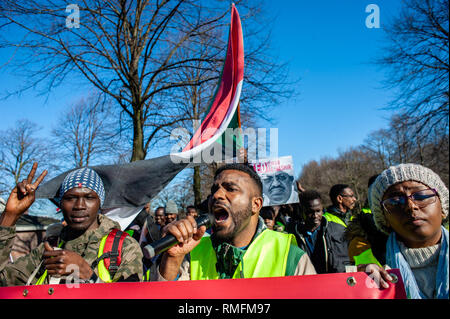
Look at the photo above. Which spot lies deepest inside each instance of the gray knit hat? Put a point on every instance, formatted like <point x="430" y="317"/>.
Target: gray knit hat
<point x="401" y="173"/>
<point x="171" y="207"/>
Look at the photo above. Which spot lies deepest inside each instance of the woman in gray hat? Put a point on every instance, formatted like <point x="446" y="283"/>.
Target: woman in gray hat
<point x="409" y="203"/>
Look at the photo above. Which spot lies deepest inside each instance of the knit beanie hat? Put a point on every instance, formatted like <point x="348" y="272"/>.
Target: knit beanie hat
<point x="401" y="173"/>
<point x="83" y="177"/>
<point x="171" y="207"/>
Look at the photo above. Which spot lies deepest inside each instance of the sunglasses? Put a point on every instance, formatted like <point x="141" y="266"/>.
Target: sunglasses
<point x="421" y="198"/>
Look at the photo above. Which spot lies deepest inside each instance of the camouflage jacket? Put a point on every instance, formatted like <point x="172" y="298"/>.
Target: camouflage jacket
<point x="86" y="245"/>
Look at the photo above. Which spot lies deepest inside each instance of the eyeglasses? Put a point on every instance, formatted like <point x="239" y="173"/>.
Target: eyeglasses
<point x="421" y="198"/>
<point x="345" y="195"/>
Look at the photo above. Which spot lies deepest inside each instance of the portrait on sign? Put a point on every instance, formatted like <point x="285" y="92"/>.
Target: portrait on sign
<point x="277" y="176"/>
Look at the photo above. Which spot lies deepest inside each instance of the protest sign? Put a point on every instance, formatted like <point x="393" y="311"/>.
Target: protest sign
<point x="277" y="176"/>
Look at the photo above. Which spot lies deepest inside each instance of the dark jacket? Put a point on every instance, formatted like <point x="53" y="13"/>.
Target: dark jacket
<point x="345" y="217"/>
<point x="363" y="228"/>
<point x="330" y="254"/>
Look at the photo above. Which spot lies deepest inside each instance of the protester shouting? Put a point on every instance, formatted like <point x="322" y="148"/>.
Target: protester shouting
<point x="240" y="242"/>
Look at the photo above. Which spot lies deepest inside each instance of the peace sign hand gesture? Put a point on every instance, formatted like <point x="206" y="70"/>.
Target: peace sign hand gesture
<point x="21" y="198"/>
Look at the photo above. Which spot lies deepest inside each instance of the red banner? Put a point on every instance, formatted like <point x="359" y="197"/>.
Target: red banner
<point x="326" y="286"/>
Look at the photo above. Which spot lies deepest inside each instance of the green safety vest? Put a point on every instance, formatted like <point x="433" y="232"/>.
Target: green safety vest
<point x="103" y="272"/>
<point x="265" y="257"/>
<point x="333" y="218"/>
<point x="364" y="210"/>
<point x="366" y="257"/>
<point x="146" y="276"/>
<point x="130" y="232"/>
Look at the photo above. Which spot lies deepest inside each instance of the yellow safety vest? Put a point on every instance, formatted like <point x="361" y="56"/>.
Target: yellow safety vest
<point x="265" y="257"/>
<point x="333" y="218"/>
<point x="146" y="276"/>
<point x="366" y="257"/>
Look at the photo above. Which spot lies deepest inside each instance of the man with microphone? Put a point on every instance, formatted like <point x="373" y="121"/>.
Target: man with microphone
<point x="240" y="245"/>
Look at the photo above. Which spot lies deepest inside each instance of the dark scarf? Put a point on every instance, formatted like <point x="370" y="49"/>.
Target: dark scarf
<point x="229" y="257"/>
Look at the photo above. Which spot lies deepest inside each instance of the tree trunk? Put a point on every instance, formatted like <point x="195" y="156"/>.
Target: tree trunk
<point x="138" y="137"/>
<point x="197" y="186"/>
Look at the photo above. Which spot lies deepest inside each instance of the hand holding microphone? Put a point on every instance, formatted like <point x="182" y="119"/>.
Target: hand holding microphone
<point x="186" y="232"/>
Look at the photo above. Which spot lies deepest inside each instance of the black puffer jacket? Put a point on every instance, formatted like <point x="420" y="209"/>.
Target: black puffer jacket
<point x="330" y="254"/>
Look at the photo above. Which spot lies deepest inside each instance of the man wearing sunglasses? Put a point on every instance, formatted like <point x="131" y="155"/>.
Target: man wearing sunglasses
<point x="343" y="201"/>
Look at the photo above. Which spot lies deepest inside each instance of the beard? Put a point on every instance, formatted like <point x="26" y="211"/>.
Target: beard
<point x="239" y="220"/>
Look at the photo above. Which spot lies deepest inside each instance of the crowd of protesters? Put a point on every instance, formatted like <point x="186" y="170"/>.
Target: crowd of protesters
<point x="400" y="226"/>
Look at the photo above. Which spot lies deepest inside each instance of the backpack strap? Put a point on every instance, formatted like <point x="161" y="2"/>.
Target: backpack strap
<point x="112" y="251"/>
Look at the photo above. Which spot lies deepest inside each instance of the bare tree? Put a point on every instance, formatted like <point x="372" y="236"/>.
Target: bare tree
<point x="383" y="148"/>
<point x="265" y="85"/>
<point x="195" y="99"/>
<point x="178" y="192"/>
<point x="126" y="49"/>
<point x="378" y="143"/>
<point x="417" y="60"/>
<point x="353" y="167"/>
<point x="19" y="149"/>
<point x="87" y="134"/>
<point x="401" y="143"/>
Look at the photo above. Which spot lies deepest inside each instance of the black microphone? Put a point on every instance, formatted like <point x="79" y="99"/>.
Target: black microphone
<point x="165" y="243"/>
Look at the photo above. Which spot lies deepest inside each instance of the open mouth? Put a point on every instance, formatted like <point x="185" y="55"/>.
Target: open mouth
<point x="220" y="214"/>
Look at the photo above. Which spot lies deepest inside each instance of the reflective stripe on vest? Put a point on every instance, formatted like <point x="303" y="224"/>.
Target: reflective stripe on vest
<point x="146" y="276"/>
<point x="103" y="273"/>
<point x="366" y="210"/>
<point x="266" y="257"/>
<point x="333" y="218"/>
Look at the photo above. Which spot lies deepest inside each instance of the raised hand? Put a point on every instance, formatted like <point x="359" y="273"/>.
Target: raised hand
<point x="21" y="198"/>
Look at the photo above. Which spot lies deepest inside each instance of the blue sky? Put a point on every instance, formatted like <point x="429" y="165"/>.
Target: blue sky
<point x="328" y="46"/>
<point x="340" y="96"/>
